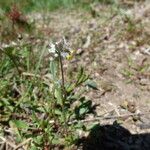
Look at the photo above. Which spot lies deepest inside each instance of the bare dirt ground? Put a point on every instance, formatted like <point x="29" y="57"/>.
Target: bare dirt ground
<point x="114" y="46"/>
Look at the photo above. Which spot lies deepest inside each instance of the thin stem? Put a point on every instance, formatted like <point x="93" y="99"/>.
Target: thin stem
<point x="64" y="91"/>
<point x="63" y="78"/>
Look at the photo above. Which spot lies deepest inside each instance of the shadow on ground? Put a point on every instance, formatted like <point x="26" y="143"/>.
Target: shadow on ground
<point x="115" y="137"/>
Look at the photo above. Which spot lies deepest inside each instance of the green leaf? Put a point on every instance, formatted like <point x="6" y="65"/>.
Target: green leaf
<point x="57" y="140"/>
<point x="82" y="77"/>
<point x="80" y="73"/>
<point x="91" y="126"/>
<point x="20" y="124"/>
<point x="41" y="109"/>
<point x="34" y="118"/>
<point x="11" y="108"/>
<point x="38" y="139"/>
<point x="58" y="95"/>
<point x="79" y="125"/>
<point x="91" y="84"/>
<point x="33" y="147"/>
<point x="70" y="87"/>
<point x="53" y="69"/>
<point x="14" y="125"/>
<point x="58" y="112"/>
<point x="84" y="108"/>
<point x="9" y="50"/>
<point x="5" y="101"/>
<point x="83" y="111"/>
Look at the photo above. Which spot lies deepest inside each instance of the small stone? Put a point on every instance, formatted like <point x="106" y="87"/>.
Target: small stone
<point x="124" y="105"/>
<point x="144" y="82"/>
<point x="131" y="107"/>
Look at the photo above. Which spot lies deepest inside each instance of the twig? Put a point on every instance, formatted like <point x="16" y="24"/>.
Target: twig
<point x="16" y="88"/>
<point x="7" y="142"/>
<point x="115" y="108"/>
<point x="107" y="117"/>
<point x="98" y="118"/>
<point x="2" y="146"/>
<point x="23" y="143"/>
<point x="31" y="74"/>
<point x="8" y="131"/>
<point x="11" y="144"/>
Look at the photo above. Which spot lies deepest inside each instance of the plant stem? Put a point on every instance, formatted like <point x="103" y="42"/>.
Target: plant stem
<point x="62" y="76"/>
<point x="63" y="89"/>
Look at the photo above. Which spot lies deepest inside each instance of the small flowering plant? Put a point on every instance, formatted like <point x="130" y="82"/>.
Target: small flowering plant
<point x="67" y="106"/>
<point x="55" y="107"/>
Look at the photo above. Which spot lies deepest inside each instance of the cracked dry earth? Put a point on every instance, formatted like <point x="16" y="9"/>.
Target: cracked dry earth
<point x="115" y="50"/>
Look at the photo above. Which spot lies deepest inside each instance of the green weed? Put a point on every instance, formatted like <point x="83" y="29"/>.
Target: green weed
<point x="44" y="108"/>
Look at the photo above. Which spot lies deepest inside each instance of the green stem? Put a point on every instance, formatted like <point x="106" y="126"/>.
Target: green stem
<point x="63" y="89"/>
<point x="63" y="78"/>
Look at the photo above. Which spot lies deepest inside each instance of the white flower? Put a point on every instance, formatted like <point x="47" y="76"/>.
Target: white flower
<point x="55" y="55"/>
<point x="52" y="48"/>
<point x="61" y="48"/>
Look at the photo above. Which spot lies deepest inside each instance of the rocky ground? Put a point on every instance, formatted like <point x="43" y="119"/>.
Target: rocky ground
<point x="114" y="47"/>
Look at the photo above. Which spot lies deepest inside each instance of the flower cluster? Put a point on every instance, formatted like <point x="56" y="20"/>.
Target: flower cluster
<point x="61" y="48"/>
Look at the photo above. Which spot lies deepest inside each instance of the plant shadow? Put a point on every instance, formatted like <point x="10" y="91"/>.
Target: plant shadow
<point x="115" y="137"/>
